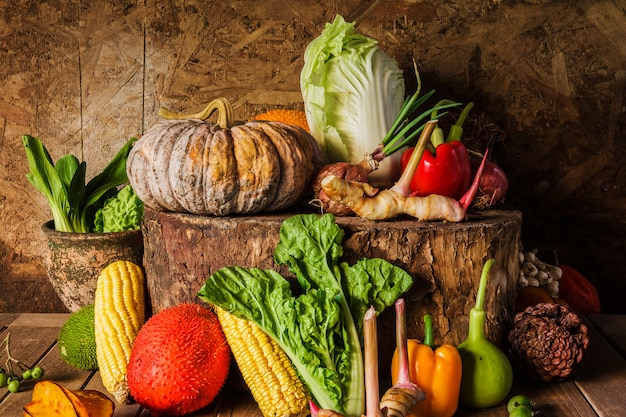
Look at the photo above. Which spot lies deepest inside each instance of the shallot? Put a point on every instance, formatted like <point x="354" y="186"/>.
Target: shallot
<point x="493" y="186"/>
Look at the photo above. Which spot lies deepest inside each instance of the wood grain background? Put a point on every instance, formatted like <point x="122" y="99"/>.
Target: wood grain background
<point x="84" y="76"/>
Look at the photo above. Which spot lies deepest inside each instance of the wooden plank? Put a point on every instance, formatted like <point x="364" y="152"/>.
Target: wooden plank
<point x="595" y="391"/>
<point x="41" y="320"/>
<point x="112" y="77"/>
<point x="235" y="403"/>
<point x="121" y="410"/>
<point x="37" y="346"/>
<point x="602" y="375"/>
<point x="552" y="399"/>
<point x="613" y="327"/>
<point x="230" y="402"/>
<point x="6" y="319"/>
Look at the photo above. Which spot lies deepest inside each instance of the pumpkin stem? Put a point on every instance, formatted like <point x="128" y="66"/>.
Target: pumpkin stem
<point x="225" y="116"/>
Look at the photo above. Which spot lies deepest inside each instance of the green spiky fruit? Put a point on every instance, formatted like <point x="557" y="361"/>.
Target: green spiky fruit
<point x="77" y="340"/>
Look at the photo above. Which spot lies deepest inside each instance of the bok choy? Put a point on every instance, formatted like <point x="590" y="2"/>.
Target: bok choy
<point x="72" y="201"/>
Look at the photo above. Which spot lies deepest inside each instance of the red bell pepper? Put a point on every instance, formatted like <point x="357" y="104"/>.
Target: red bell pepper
<point x="446" y="170"/>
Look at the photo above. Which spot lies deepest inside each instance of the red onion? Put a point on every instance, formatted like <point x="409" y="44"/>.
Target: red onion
<point x="493" y="185"/>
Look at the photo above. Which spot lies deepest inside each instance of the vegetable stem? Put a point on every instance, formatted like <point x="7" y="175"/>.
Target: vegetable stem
<point x="456" y="130"/>
<point x="402" y="137"/>
<point x="482" y="285"/>
<point x="225" y="116"/>
<point x="477" y="314"/>
<point x="396" y="138"/>
<point x="402" y="187"/>
<point x="400" y="399"/>
<point x="401" y="344"/>
<point x="428" y="331"/>
<point x="468" y="197"/>
<point x="370" y="345"/>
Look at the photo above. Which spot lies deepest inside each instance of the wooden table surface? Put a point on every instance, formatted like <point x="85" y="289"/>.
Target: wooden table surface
<point x="597" y="389"/>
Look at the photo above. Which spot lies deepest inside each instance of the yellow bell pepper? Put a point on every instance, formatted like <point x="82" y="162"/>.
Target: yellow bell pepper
<point x="436" y="370"/>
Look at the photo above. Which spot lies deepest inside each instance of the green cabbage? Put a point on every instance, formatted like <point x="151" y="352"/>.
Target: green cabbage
<point x="352" y="92"/>
<point x="120" y="213"/>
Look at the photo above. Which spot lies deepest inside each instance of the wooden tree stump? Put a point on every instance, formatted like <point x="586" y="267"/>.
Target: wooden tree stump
<point x="445" y="260"/>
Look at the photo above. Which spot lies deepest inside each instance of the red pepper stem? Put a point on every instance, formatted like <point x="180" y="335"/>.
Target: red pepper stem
<point x="428" y="331"/>
<point x="456" y="130"/>
<point x="402" y="186"/>
<point x="437" y="138"/>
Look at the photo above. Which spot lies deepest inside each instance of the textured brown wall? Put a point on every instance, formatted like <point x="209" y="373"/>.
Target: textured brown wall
<point x="84" y="76"/>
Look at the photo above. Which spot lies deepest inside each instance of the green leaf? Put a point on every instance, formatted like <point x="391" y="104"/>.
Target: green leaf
<point x="122" y="212"/>
<point x="113" y="175"/>
<point x="306" y="327"/>
<point x="44" y="177"/>
<point x="373" y="282"/>
<point x="66" y="167"/>
<point x="311" y="247"/>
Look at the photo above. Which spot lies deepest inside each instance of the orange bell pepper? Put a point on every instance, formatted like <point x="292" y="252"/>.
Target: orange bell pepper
<point x="436" y="370"/>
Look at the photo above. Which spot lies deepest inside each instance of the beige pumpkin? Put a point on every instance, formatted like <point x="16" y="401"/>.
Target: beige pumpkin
<point x="188" y="164"/>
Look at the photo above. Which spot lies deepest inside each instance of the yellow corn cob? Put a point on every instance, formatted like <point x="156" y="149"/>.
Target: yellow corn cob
<point x="119" y="313"/>
<point x="265" y="368"/>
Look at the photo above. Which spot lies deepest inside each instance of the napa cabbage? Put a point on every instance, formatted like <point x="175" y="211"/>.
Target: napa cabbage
<point x="352" y="92"/>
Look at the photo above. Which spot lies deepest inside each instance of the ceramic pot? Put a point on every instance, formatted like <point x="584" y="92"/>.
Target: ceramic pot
<point x="74" y="260"/>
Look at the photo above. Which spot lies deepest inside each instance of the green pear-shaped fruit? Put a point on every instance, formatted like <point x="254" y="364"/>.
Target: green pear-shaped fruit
<point x="487" y="374"/>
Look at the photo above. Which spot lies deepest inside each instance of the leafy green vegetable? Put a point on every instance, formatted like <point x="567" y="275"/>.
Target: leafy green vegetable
<point x="119" y="213"/>
<point x="319" y="328"/>
<point x="352" y="91"/>
<point x="72" y="202"/>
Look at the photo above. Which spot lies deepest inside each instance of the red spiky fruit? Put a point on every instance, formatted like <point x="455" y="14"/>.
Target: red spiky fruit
<point x="179" y="362"/>
<point x="578" y="291"/>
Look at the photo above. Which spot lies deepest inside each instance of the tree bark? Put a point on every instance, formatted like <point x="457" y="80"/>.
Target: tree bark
<point x="444" y="259"/>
